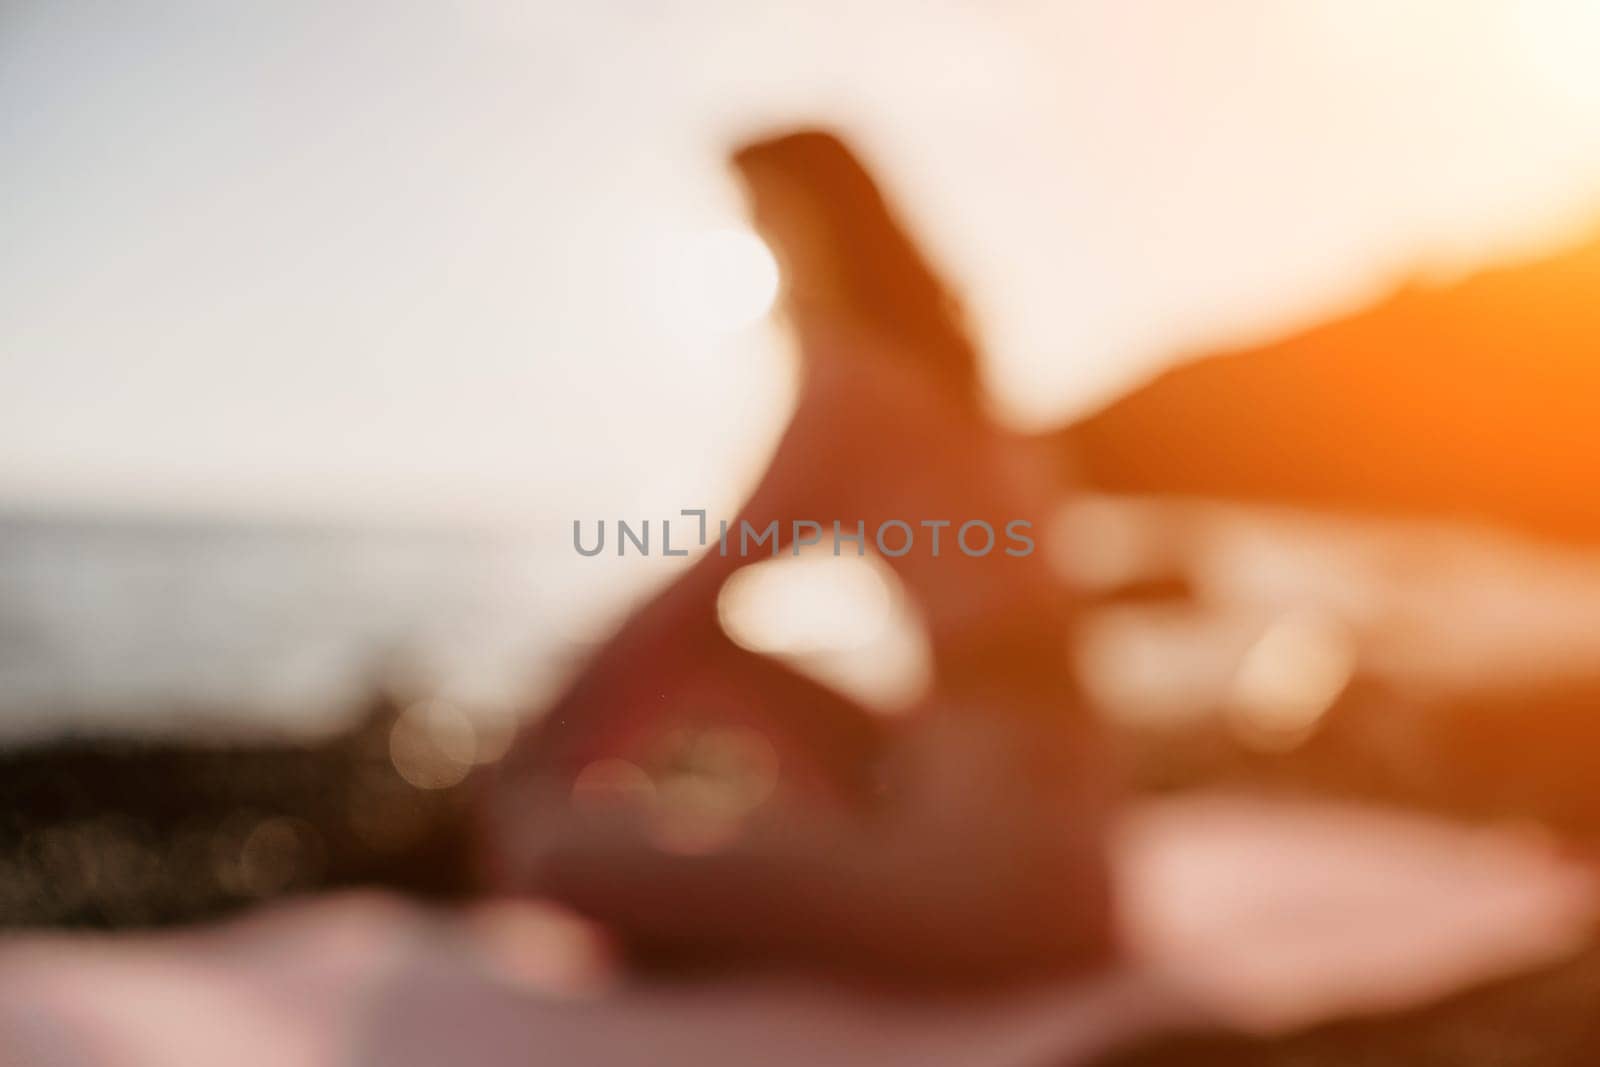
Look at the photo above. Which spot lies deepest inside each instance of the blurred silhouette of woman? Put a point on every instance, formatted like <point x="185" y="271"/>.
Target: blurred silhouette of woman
<point x="704" y="801"/>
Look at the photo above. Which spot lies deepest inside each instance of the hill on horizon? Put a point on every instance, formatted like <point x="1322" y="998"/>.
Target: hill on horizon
<point x="1478" y="400"/>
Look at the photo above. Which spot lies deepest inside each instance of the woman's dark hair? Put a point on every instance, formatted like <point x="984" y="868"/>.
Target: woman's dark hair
<point x="880" y="276"/>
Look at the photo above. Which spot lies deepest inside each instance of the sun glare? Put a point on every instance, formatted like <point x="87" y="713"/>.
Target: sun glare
<point x="715" y="281"/>
<point x="1560" y="37"/>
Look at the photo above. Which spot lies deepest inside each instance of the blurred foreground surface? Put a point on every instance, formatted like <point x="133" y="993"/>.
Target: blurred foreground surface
<point x="1255" y="915"/>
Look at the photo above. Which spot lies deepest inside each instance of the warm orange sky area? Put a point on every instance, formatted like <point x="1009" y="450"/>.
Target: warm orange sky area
<point x="484" y="261"/>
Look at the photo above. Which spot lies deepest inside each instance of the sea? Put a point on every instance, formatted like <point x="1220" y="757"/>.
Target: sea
<point x="132" y="624"/>
<point x="127" y="625"/>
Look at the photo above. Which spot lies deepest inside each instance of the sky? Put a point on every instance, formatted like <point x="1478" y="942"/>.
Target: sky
<point x="355" y="260"/>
